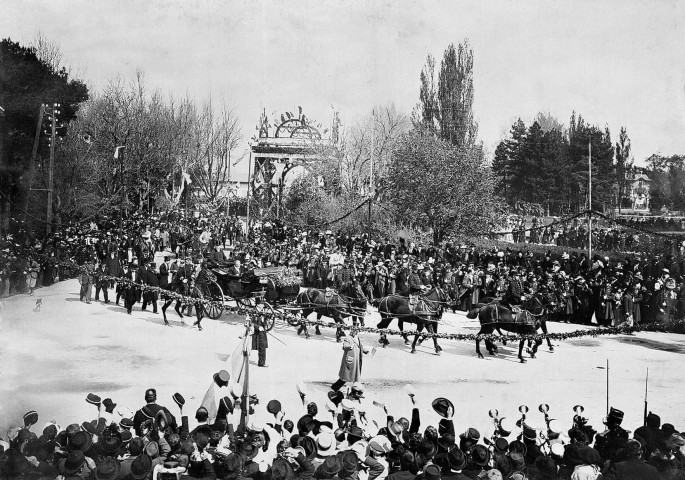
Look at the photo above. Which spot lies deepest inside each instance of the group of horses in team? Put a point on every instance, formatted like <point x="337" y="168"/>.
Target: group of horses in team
<point x="425" y="311"/>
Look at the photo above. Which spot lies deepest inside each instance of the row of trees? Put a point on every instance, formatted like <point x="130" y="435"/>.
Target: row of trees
<point x="548" y="165"/>
<point x="121" y="148"/>
<point x="161" y="143"/>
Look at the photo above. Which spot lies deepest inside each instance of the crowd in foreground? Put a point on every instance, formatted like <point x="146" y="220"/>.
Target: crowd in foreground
<point x="330" y="442"/>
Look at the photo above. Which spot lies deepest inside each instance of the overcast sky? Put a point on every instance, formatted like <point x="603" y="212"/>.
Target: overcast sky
<point x="620" y="63"/>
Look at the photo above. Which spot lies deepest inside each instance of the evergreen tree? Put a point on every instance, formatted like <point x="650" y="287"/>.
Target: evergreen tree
<point x="623" y="163"/>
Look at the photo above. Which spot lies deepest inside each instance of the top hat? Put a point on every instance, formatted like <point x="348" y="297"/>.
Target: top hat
<point x="109" y="405"/>
<point x="443" y="407"/>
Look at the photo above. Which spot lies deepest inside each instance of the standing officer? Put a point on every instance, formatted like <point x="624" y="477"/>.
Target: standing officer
<point x="151" y="296"/>
<point x="259" y="340"/>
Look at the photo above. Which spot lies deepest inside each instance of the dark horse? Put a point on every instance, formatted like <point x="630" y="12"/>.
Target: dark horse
<point x="331" y="304"/>
<point x="493" y="316"/>
<point x="425" y="314"/>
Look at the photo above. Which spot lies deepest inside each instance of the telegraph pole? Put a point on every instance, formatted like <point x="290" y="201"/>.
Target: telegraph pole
<point x="371" y="187"/>
<point x="53" y="115"/>
<point x="32" y="165"/>
<point x="589" y="217"/>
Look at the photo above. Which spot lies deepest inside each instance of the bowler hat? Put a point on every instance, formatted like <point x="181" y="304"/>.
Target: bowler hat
<point x="443" y="407"/>
<point x="273" y="407"/>
<point x="309" y="446"/>
<point x="141" y="466"/>
<point x="348" y="463"/>
<point x="501" y="444"/>
<point x="282" y="470"/>
<point x="111" y="443"/>
<point x="108" y="469"/>
<point x="329" y="468"/>
<point x="456" y="459"/>
<point x="432" y="472"/>
<point x="480" y="455"/>
<point x="152" y="449"/>
<point x="80" y="441"/>
<point x="73" y="463"/>
<point x="355" y="431"/>
<point x="546" y="465"/>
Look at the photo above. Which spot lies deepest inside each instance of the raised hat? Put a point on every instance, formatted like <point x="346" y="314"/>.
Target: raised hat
<point x="179" y="400"/>
<point x="93" y="399"/>
<point x="109" y="405"/>
<point x="30" y="418"/>
<point x="161" y="420"/>
<point x="273" y="407"/>
<point x="108" y="469"/>
<point x="443" y="407"/>
<point x="501" y="444"/>
<point x="126" y="423"/>
<point x="470" y="434"/>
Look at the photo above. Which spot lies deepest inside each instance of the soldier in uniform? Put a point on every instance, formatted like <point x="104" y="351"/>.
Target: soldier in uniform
<point x="151" y="279"/>
<point x="610" y="442"/>
<point x="259" y="339"/>
<point x="414" y="281"/>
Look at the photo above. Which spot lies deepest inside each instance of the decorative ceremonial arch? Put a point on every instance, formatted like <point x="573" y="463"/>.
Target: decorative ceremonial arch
<point x="277" y="149"/>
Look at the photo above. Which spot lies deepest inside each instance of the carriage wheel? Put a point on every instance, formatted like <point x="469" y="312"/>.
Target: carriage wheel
<point x="212" y="291"/>
<point x="267" y="310"/>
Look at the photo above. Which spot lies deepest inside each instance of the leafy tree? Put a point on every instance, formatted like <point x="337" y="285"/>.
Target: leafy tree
<point x="623" y="163"/>
<point x="438" y="185"/>
<point x="448" y="110"/>
<point x="27" y="81"/>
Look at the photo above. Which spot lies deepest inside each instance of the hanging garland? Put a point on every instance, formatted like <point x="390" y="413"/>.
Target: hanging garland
<point x="677" y="326"/>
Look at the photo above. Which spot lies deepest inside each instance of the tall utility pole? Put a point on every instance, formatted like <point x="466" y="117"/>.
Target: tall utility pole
<point x="372" y="190"/>
<point x="249" y="186"/>
<point x="589" y="215"/>
<point x="34" y="153"/>
<point x="54" y="113"/>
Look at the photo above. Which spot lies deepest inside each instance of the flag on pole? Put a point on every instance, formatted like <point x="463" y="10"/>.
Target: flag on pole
<point x="211" y="400"/>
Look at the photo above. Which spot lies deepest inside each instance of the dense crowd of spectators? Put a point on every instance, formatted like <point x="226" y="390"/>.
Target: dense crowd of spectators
<point x="331" y="442"/>
<point x="637" y="288"/>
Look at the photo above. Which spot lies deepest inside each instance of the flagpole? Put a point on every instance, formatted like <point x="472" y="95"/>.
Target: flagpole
<point x="589" y="215"/>
<point x="245" y="405"/>
<point x="249" y="185"/>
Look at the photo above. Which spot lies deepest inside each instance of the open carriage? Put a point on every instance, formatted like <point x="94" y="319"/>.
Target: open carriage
<point x="264" y="289"/>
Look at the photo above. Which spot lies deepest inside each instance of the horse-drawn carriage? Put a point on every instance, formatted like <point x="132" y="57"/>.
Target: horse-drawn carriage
<point x="263" y="289"/>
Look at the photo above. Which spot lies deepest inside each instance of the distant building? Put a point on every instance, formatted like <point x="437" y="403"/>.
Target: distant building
<point x="637" y="190"/>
